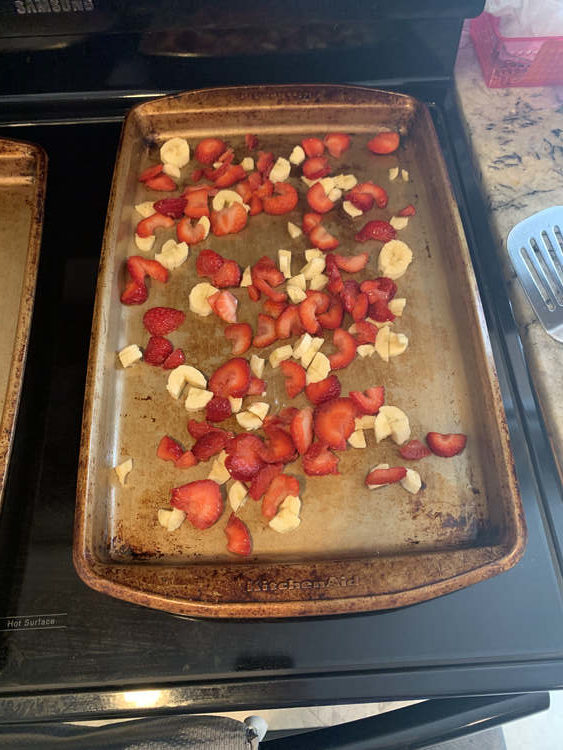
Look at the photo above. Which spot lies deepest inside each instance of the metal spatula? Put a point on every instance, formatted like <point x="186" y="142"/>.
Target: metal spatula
<point x="535" y="246"/>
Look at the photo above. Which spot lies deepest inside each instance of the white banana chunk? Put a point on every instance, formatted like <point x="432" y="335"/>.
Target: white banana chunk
<point x="404" y="175"/>
<point x="175" y="151"/>
<point x="171" y="519"/>
<point x="313" y="252"/>
<point x="335" y="194"/>
<point x="279" y="355"/>
<point x="284" y="521"/>
<point x="291" y="503"/>
<point x="313" y="268"/>
<point x="123" y="469"/>
<point x="309" y="354"/>
<point x="129" y="355"/>
<point x="365" y="422"/>
<point x="327" y="183"/>
<point x="246" y="279"/>
<point x="257" y="365"/>
<point x="206" y="224"/>
<point x="294" y="230"/>
<point x="351" y="209"/>
<point x="381" y="427"/>
<point x="199" y="296"/>
<point x="397" y="306"/>
<point x="172" y="254"/>
<point x="225" y="198"/>
<point x="171" y="170"/>
<point x="247" y="164"/>
<point x="197" y="398"/>
<point x="248" y="421"/>
<point x="219" y="473"/>
<point x="393" y="173"/>
<point x="357" y="439"/>
<point x="318" y="369"/>
<point x="284" y="262"/>
<point x="297" y="156"/>
<point x="145" y="209"/>
<point x="412" y="482"/>
<point x="398" y="343"/>
<point x="182" y="375"/>
<point x="382" y="343"/>
<point x="394" y="259"/>
<point x="399" y="222"/>
<point x="345" y="181"/>
<point x="237" y="495"/>
<point x="280" y="171"/>
<point x="377" y="486"/>
<point x="365" y="350"/>
<point x="260" y="408"/>
<point x="299" y="281"/>
<point x="296" y="295"/>
<point x="301" y="345"/>
<point x="236" y="404"/>
<point x="398" y="422"/>
<point x="145" y="244"/>
<point x="318" y="282"/>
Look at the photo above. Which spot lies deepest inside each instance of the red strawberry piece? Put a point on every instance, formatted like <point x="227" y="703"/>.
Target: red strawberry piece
<point x="241" y="336"/>
<point x="360" y="309"/>
<point x="378" y="230"/>
<point x="279" y="447"/>
<point x="274" y="294"/>
<point x="135" y="293"/>
<point x="378" y="194"/>
<point x="301" y="429"/>
<point x="263" y="480"/>
<point x="386" y="476"/>
<point x="196" y="175"/>
<point x="239" y="541"/>
<point x="273" y="309"/>
<point x="169" y="449"/>
<point x="332" y="318"/>
<point x="186" y="460"/>
<point x="243" y="460"/>
<point x="346" y="345"/>
<point x="218" y="409"/>
<point x="370" y="400"/>
<point x="150" y="172"/>
<point x="337" y="144"/>
<point x="282" y="486"/>
<point x="282" y="419"/>
<point x="265" y="162"/>
<point x="414" y="450"/>
<point x="257" y="386"/>
<point x="190" y="233"/>
<point x="224" y="305"/>
<point x="310" y="221"/>
<point x="318" y="199"/>
<point x="384" y="143"/>
<point x="163" y="183"/>
<point x="409" y="210"/>
<point x="197" y="429"/>
<point x="254" y="180"/>
<point x="335" y="283"/>
<point x="316" y="167"/>
<point x="365" y="332"/>
<point x="320" y="237"/>
<point x="380" y="312"/>
<point x="325" y="390"/>
<point x="284" y="199"/>
<point x="231" y="379"/>
<point x="251" y="141"/>
<point x="316" y="302"/>
<point x="201" y="502"/>
<point x="446" y="445"/>
<point x="244" y="190"/>
<point x="172" y="207"/>
<point x="351" y="263"/>
<point x="256" y="206"/>
<point x="349" y="294"/>
<point x="208" y="262"/>
<point x="253" y="293"/>
<point x="229" y="220"/>
<point x="158" y="349"/>
<point x="265" y="331"/>
<point x="294" y="377"/>
<point x="334" y="422"/>
<point x="289" y="323"/>
<point x="146" y="227"/>
<point x="196" y="204"/>
<point x="174" y="360"/>
<point x="228" y="275"/>
<point x="140" y="267"/>
<point x="381" y="288"/>
<point x="232" y="174"/>
<point x="363" y="201"/>
<point x="160" y="321"/>
<point x="313" y="147"/>
<point x="319" y="461"/>
<point x="210" y="444"/>
<point x="266" y="269"/>
<point x="209" y="150"/>
<point x="265" y="189"/>
<point x="227" y="156"/>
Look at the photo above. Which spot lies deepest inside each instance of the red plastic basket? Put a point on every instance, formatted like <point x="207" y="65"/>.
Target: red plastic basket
<point x="516" y="61"/>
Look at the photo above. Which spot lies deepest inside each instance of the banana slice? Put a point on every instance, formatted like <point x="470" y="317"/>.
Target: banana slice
<point x="171" y="170"/>
<point x="365" y="422"/>
<point x="294" y="230"/>
<point x="175" y="151"/>
<point x="313" y="252"/>
<point x="225" y="198"/>
<point x="357" y="439"/>
<point x="257" y="365"/>
<point x="397" y="306"/>
<point x="318" y="282"/>
<point x="145" y="244"/>
<point x="301" y="345"/>
<point x="377" y="486"/>
<point x="398" y="422"/>
<point x="260" y="408"/>
<point x="181" y="375"/>
<point x="345" y="181"/>
<point x="206" y="224"/>
<point x="412" y="482"/>
<point x="284" y="262"/>
<point x="335" y="194"/>
<point x="248" y="420"/>
<point x="394" y="259"/>
<point x="236" y="404"/>
<point x="398" y="343"/>
<point x="199" y="296"/>
<point x="123" y="469"/>
<point x="280" y="171"/>
<point x="295" y="294"/>
<point x="129" y="355"/>
<point x="298" y="281"/>
<point x="318" y="369"/>
<point x="393" y="173"/>
<point x="381" y="426"/>
<point x="171" y="519"/>
<point x="145" y="209"/>
<point x="365" y="350"/>
<point x="328" y="184"/>
<point x="291" y="503"/>
<point x="246" y="277"/>
<point x="399" y="222"/>
<point x="404" y="175"/>
<point x="172" y="254"/>
<point x="237" y="495"/>
<point x="351" y="209"/>
<point x="279" y="355"/>
<point x="247" y="164"/>
<point x="313" y="268"/>
<point x="382" y="343"/>
<point x="219" y="473"/>
<point x="309" y="354"/>
<point x="297" y="156"/>
<point x="197" y="399"/>
<point x="287" y="517"/>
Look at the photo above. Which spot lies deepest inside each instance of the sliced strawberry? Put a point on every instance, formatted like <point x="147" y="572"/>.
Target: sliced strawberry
<point x="254" y="180"/>
<point x="251" y="141"/>
<point x="201" y="502"/>
<point x="163" y="183"/>
<point x="363" y="201"/>
<point x="414" y="450"/>
<point x="209" y="150"/>
<point x="346" y="345"/>
<point x="274" y="294"/>
<point x="349" y="294"/>
<point x="169" y="449"/>
<point x="208" y="262"/>
<point x="196" y="204"/>
<point x="197" y="429"/>
<point x="322" y="238"/>
<point x="210" y="444"/>
<point x="284" y="199"/>
<point x="150" y="172"/>
<point x="239" y="541"/>
<point x="186" y="460"/>
<point x="384" y="143"/>
<point x="313" y="147"/>
<point x="266" y="269"/>
<point x="257" y="386"/>
<point x="190" y="233"/>
<point x="140" y="267"/>
<point x="231" y="379"/>
<point x="244" y="190"/>
<point x="157" y="350"/>
<point x="289" y="323"/>
<point x="378" y="194"/>
<point x="378" y="230"/>
<point x="446" y="444"/>
<point x="316" y="302"/>
<point x="146" y="227"/>
<point x="229" y="220"/>
<point x="370" y="400"/>
<point x="332" y="318"/>
<point x="273" y="309"/>
<point x="172" y="207"/>
<point x="243" y="460"/>
<point x="294" y="377"/>
<point x="366" y="333"/>
<point x="360" y="309"/>
<point x="380" y="312"/>
<point x="325" y="390"/>
<point x="301" y="429"/>
<point x="381" y="288"/>
<point x="174" y="360"/>
<point x="386" y="476"/>
<point x="196" y="175"/>
<point x="351" y="263"/>
<point x="218" y="409"/>
<point x="224" y="305"/>
<point x="318" y="199"/>
<point x="232" y="174"/>
<point x="282" y="419"/>
<point x="263" y="480"/>
<point x="160" y="321"/>
<point x="282" y="486"/>
<point x="241" y="336"/>
<point x="228" y="275"/>
<point x="135" y="293"/>
<point x="310" y="221"/>
<point x="319" y="461"/>
<point x="409" y="210"/>
<point x="227" y="157"/>
<point x="265" y="331"/>
<point x="265" y="162"/>
<point x="334" y="422"/>
<point x="256" y="205"/>
<point x="253" y="293"/>
<point x="316" y="167"/>
<point x="265" y="189"/>
<point x="279" y="447"/>
<point x="335" y="283"/>
<point x="337" y="144"/>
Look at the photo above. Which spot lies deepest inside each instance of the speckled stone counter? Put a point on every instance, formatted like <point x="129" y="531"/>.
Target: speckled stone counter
<point x="517" y="139"/>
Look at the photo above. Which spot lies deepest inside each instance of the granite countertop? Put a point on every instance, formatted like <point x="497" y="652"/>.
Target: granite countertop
<point x="517" y="140"/>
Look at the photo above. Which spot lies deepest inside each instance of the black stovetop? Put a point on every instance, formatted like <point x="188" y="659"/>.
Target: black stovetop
<point x="65" y="649"/>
